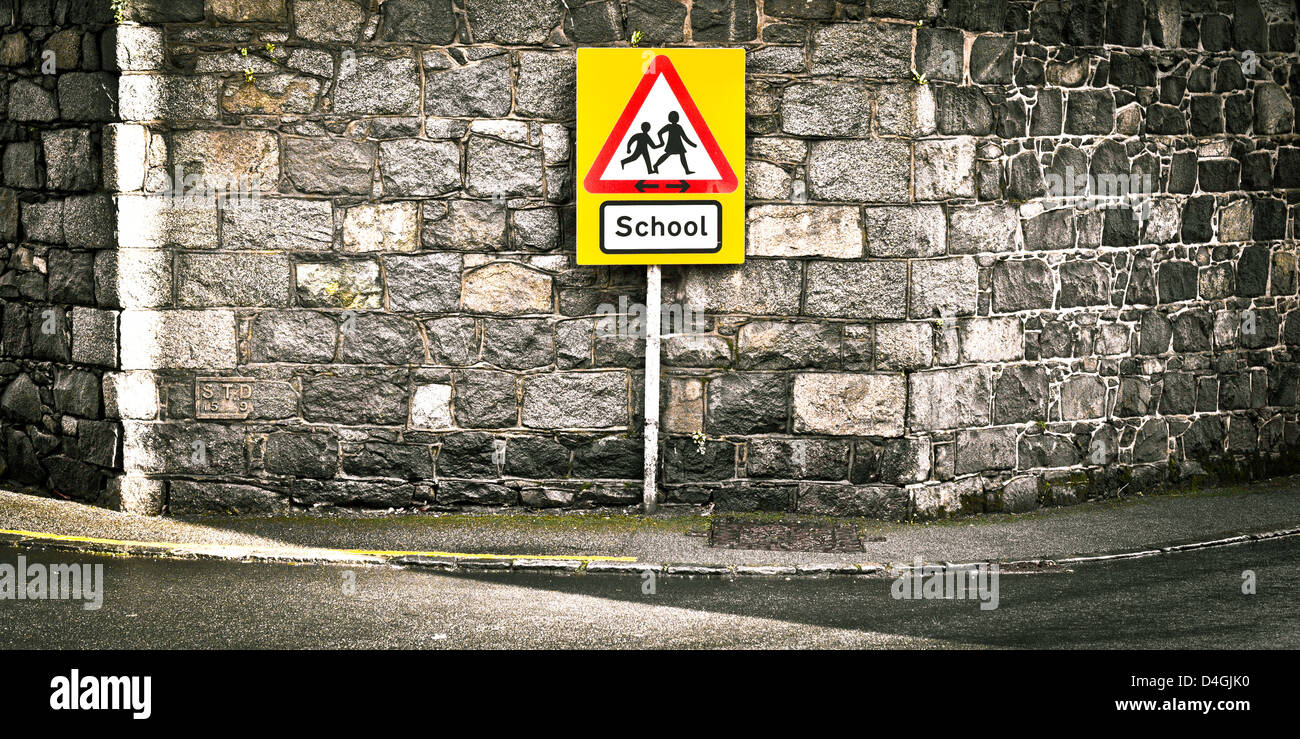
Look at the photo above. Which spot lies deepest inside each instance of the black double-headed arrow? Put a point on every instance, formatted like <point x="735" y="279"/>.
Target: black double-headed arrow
<point x="680" y="186"/>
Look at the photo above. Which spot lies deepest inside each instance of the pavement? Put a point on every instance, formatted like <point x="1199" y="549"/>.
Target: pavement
<point x="671" y="543"/>
<point x="1182" y="600"/>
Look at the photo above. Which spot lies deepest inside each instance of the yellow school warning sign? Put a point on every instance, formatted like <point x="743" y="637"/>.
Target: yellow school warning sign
<point x="661" y="156"/>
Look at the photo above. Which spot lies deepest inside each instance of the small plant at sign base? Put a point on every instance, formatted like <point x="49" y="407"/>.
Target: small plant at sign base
<point x="919" y="78"/>
<point x="699" y="438"/>
<point x="637" y="37"/>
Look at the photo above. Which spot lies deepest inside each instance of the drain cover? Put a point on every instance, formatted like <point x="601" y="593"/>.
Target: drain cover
<point x="785" y="536"/>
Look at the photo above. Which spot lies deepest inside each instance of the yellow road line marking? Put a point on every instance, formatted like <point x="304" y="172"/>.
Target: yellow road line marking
<point x="88" y="539"/>
<point x="471" y="555"/>
<point x="365" y="552"/>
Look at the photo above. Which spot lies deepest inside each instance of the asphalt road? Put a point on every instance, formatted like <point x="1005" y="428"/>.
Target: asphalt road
<point x="1189" y="600"/>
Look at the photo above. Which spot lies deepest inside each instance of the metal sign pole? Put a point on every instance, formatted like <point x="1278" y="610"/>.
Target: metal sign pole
<point x="652" y="328"/>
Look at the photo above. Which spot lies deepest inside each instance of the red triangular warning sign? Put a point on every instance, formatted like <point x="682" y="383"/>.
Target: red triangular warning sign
<point x="660" y="144"/>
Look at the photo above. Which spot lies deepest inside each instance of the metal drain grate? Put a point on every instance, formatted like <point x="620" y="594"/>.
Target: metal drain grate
<point x="784" y="536"/>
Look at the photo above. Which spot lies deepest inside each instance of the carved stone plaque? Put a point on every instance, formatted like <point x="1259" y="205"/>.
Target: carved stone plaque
<point x="223" y="397"/>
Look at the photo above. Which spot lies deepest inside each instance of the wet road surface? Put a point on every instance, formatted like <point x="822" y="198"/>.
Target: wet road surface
<point x="1188" y="600"/>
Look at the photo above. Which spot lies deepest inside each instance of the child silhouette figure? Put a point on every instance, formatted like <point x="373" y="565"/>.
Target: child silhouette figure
<point x="643" y="143"/>
<point x="676" y="135"/>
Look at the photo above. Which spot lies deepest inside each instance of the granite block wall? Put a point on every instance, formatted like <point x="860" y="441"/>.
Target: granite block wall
<point x="999" y="255"/>
<point x="58" y="306"/>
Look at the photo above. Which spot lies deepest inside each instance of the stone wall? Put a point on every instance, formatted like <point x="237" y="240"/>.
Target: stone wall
<point x="386" y="311"/>
<point x="56" y="234"/>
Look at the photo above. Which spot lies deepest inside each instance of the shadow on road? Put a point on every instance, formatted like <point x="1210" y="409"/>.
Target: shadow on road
<point x="1187" y="600"/>
<point x="1182" y="600"/>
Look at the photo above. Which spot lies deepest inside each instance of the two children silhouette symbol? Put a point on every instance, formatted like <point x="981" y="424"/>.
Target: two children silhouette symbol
<point x="640" y="145"/>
